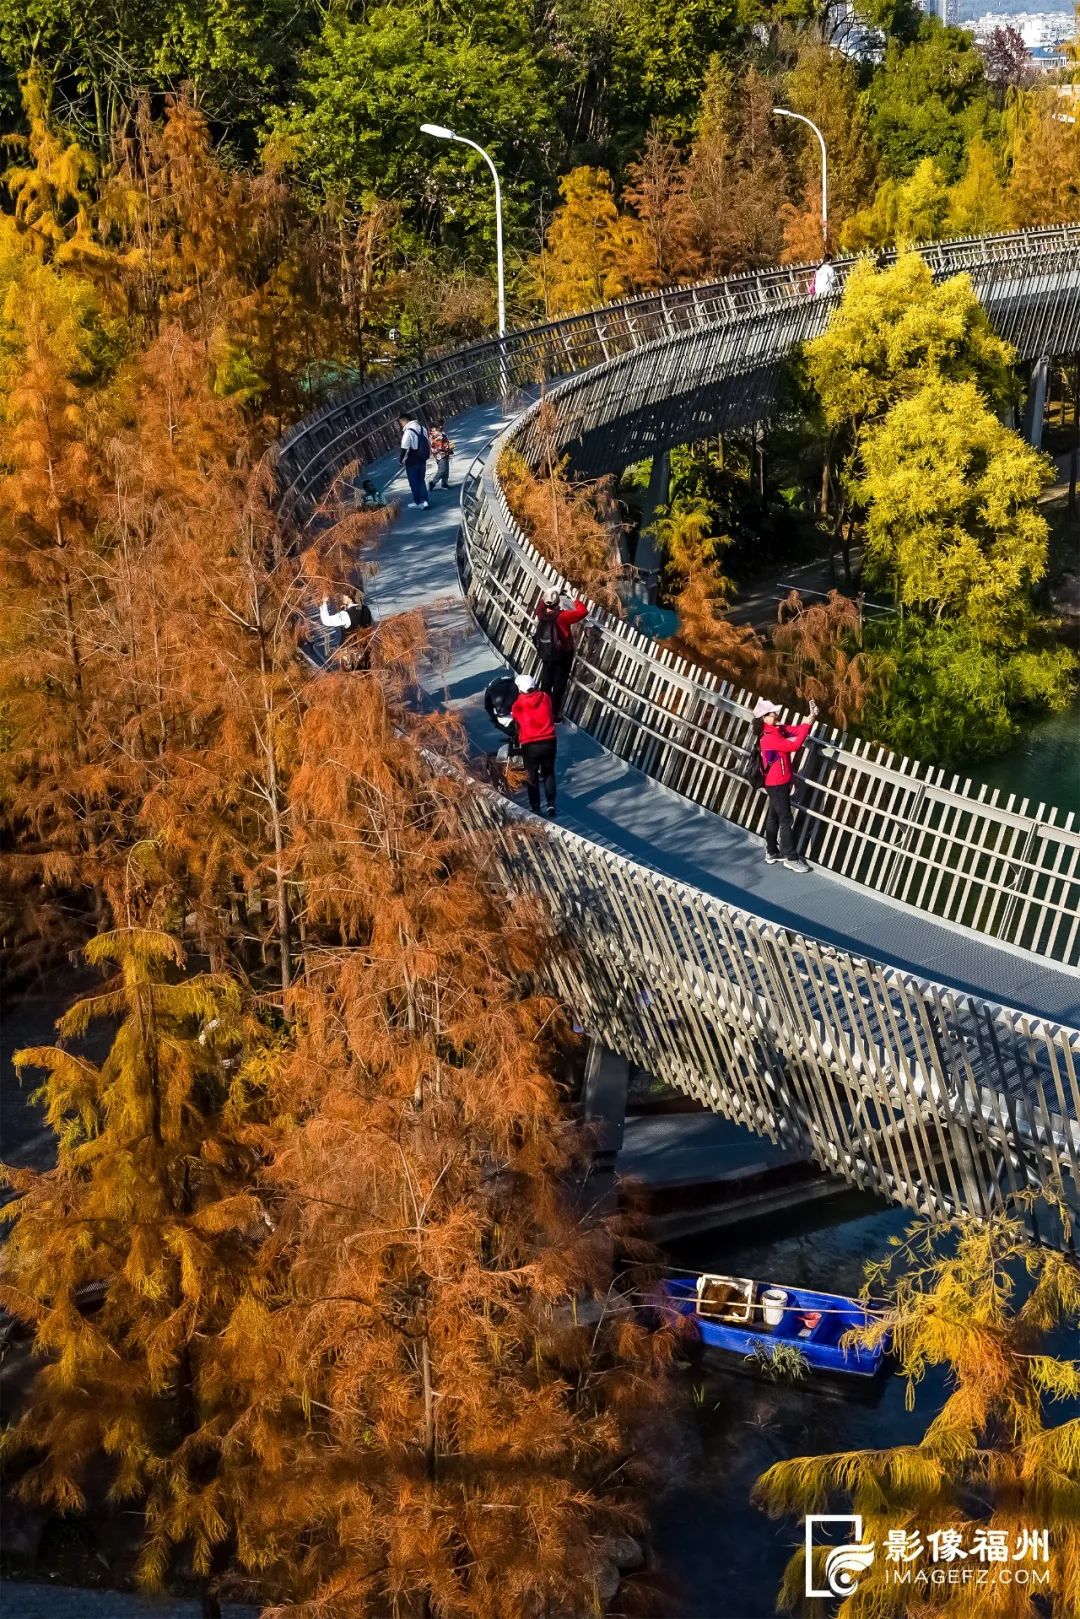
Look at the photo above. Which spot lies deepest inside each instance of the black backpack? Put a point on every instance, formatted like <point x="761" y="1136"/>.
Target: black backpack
<point x="549" y="640"/>
<point x="752" y="768"/>
<point x="359" y="619"/>
<point x="544" y="638"/>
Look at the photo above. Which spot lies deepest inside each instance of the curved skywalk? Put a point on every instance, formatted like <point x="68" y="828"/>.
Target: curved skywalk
<point x="616" y="807"/>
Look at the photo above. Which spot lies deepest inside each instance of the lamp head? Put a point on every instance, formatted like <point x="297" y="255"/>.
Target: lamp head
<point x="440" y="132"/>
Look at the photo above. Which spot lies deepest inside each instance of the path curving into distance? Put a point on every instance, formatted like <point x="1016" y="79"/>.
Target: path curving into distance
<point x="912" y="1053"/>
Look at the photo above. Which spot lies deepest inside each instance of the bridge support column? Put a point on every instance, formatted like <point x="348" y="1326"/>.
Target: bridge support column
<point x="646" y="553"/>
<point x="1035" y="410"/>
<point x="607" y="1077"/>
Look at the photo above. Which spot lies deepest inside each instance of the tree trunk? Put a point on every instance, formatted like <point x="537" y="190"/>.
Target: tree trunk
<point x="1074" y="461"/>
<point x="430" y="1455"/>
<point x="273" y="796"/>
<point x="846" y="552"/>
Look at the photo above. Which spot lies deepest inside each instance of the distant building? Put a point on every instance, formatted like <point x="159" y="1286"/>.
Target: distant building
<point x="1048" y="58"/>
<point x="946" y="11"/>
<point x="1034" y="27"/>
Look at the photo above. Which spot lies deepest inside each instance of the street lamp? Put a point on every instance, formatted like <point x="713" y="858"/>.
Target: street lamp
<point x="785" y="112"/>
<point x="440" y="133"/>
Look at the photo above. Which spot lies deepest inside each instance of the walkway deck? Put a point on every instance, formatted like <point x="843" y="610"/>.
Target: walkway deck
<point x="615" y="806"/>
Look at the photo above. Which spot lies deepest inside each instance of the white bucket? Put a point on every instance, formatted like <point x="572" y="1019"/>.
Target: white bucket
<point x="774" y="1303"/>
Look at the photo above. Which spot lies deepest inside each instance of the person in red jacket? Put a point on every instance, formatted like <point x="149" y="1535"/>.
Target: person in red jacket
<point x="778" y="744"/>
<point x="555" y="643"/>
<point x="534" y="717"/>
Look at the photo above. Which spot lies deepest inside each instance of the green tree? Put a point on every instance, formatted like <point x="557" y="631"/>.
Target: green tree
<point x="928" y="99"/>
<point x="980" y="1302"/>
<point x="100" y="58"/>
<point x="131" y="1261"/>
<point x="659" y="56"/>
<point x="950" y="696"/>
<point x="365" y="86"/>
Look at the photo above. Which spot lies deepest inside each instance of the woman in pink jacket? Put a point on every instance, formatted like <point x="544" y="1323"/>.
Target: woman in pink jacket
<point x="779" y="744"/>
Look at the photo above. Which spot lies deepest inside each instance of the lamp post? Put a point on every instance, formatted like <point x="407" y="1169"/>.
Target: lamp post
<point x="786" y="112"/>
<point x="441" y="133"/>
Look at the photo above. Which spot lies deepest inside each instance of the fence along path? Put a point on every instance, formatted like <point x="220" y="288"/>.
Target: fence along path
<point x="938" y="1097"/>
<point x="932" y="1099"/>
<point x="359" y="424"/>
<point x="1000" y="865"/>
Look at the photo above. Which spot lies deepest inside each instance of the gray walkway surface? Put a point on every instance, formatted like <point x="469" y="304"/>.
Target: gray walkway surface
<point x="19" y="1601"/>
<point x="617" y="807"/>
<point x="673" y="1149"/>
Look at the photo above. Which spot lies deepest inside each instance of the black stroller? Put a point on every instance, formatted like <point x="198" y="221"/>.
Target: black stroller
<point x="498" y="701"/>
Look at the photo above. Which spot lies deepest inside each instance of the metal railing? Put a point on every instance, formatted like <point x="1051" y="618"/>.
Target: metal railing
<point x="934" y="1099"/>
<point x="359" y="423"/>
<point x="930" y="1098"/>
<point x="998" y="864"/>
<point x="1001" y="866"/>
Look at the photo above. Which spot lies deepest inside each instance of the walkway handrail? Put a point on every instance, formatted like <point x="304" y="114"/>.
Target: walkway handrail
<point x="936" y="1099"/>
<point x="1007" y="869"/>
<point x="925" y="1096"/>
<point x="1003" y="867"/>
<point x="358" y="422"/>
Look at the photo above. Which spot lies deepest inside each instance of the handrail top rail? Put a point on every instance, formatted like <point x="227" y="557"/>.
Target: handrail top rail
<point x="701" y="687"/>
<point x="943" y="250"/>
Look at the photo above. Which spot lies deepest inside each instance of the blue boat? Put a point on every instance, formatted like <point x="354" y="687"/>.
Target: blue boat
<point x="741" y="1317"/>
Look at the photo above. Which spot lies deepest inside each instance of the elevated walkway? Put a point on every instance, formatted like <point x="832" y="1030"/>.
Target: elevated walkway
<point x="853" y="1014"/>
<point x="618" y="808"/>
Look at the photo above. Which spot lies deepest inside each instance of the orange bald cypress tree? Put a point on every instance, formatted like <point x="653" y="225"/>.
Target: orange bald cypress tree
<point x="63" y="781"/>
<point x="818" y="653"/>
<point x="440" y="1437"/>
<point x="563" y="517"/>
<point x="659" y="193"/>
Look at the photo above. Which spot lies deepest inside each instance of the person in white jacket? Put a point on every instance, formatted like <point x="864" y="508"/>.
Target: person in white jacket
<point x="353" y="619"/>
<point x="825" y="278"/>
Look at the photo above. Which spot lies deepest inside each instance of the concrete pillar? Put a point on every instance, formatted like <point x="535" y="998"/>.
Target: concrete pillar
<point x="1035" y="409"/>
<point x="646" y="555"/>
<point x="607" y="1077"/>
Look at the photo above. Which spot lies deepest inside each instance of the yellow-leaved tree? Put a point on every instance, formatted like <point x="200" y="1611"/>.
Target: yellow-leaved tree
<point x="590" y="246"/>
<point x="1044" y="146"/>
<point x="952" y="520"/>
<point x="131" y="1261"/>
<point x="978" y="1301"/>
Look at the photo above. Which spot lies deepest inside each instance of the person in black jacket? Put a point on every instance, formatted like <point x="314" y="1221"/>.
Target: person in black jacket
<point x="354" y="623"/>
<point x="554" y="641"/>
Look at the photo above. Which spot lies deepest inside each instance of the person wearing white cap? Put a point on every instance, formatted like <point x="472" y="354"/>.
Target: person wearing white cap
<point x="554" y="640"/>
<point x="534" y="718"/>
<point x="777" y="745"/>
